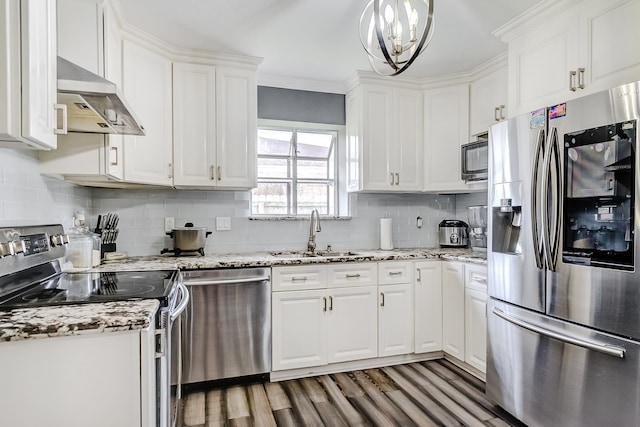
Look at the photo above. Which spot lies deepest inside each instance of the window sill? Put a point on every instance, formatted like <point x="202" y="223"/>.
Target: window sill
<point x="298" y="218"/>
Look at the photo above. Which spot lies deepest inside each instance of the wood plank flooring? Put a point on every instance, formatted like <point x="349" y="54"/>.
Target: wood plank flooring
<point x="433" y="393"/>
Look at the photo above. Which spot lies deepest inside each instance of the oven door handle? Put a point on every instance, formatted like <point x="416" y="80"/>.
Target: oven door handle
<point x="182" y="305"/>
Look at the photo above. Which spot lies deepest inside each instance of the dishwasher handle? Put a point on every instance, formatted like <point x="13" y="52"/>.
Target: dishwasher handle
<point x="227" y="281"/>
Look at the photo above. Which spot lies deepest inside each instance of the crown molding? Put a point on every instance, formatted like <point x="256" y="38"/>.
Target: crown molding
<point x="288" y="82"/>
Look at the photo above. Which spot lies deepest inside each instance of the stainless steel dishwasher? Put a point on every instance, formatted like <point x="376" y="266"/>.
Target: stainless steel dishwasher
<point x="227" y="324"/>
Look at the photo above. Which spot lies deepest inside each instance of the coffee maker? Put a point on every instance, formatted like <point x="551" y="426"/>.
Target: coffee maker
<point x="477" y="216"/>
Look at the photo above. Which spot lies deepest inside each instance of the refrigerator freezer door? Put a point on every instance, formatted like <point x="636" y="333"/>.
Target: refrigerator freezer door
<point x="513" y="250"/>
<point x="550" y="373"/>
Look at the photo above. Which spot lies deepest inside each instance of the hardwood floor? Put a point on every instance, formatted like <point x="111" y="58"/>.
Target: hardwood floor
<point x="434" y="393"/>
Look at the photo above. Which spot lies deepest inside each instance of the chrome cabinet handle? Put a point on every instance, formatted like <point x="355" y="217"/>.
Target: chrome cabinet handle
<point x="397" y="178"/>
<point x="170" y="170"/>
<point x="325" y="303"/>
<point x="382" y="299"/>
<point x="391" y="178"/>
<point x="419" y="278"/>
<point x="219" y="173"/>
<point x="581" y="78"/>
<point x="496" y="117"/>
<point x="352" y="276"/>
<point x="60" y="130"/>
<point x="299" y="279"/>
<point x="502" y="107"/>
<point x="212" y="173"/>
<point x="572" y="81"/>
<point x="114" y="150"/>
<point x="330" y="303"/>
<point x="611" y="350"/>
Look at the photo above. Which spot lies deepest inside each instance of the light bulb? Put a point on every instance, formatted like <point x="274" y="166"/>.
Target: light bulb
<point x="413" y="19"/>
<point x="388" y="14"/>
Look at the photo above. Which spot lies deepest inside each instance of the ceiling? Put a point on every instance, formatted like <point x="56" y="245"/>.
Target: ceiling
<point x="318" y="40"/>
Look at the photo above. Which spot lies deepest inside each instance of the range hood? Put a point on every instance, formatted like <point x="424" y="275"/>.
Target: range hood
<point x="93" y="103"/>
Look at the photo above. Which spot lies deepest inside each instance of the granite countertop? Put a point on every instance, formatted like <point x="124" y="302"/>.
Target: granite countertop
<point x="76" y="319"/>
<point x="267" y="259"/>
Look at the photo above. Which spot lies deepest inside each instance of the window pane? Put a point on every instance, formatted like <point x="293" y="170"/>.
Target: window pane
<point x="313" y="169"/>
<point x="315" y="145"/>
<point x="314" y="196"/>
<point x="273" y="168"/>
<point x="270" y="198"/>
<point x="274" y="142"/>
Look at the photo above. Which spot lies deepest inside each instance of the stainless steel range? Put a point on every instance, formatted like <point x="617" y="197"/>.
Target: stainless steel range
<point x="31" y="276"/>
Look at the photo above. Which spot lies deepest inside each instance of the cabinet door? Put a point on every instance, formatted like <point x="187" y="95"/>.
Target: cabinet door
<point x="353" y="320"/>
<point x="605" y="25"/>
<point x="299" y="329"/>
<point x="446" y="125"/>
<point x="39" y="77"/>
<point x="376" y="134"/>
<point x="453" y="309"/>
<point x="395" y="320"/>
<point x="113" y="73"/>
<point x="194" y="128"/>
<point x="405" y="148"/>
<point x="428" y="306"/>
<point x="488" y="101"/>
<point x="147" y="87"/>
<point x="81" y="17"/>
<point x="236" y="121"/>
<point x="540" y="62"/>
<point x="476" y="329"/>
<point x="80" y="391"/>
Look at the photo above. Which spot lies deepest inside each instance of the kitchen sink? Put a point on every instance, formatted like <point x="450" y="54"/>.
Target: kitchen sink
<point x="307" y="254"/>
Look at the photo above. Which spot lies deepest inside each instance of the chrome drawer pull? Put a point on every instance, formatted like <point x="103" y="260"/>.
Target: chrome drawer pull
<point x="299" y="279"/>
<point x="352" y="276"/>
<point x="394" y="273"/>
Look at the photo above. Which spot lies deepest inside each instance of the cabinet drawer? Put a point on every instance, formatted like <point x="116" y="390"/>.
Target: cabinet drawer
<point x="356" y="274"/>
<point x="298" y="278"/>
<point x="476" y="277"/>
<point x="393" y="272"/>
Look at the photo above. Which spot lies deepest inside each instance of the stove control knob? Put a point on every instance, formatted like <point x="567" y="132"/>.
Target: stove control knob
<point x="65" y="239"/>
<point x="18" y="246"/>
<point x="6" y="249"/>
<point x="56" y="240"/>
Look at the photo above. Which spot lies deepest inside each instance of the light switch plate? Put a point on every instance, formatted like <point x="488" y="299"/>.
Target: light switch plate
<point x="223" y="223"/>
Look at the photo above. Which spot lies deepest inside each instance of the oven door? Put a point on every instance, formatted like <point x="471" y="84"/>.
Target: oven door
<point x="475" y="161"/>
<point x="168" y="357"/>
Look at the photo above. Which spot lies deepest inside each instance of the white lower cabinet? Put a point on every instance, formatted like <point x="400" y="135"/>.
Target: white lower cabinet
<point x="464" y="298"/>
<point x="395" y="319"/>
<point x="93" y="380"/>
<point x="428" y="306"/>
<point x="299" y="329"/>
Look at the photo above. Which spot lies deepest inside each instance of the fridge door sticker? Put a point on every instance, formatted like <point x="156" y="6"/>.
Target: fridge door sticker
<point x="537" y="119"/>
<point x="556" y="111"/>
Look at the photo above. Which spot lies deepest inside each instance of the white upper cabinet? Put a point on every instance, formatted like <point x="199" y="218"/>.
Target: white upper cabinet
<point x="384" y="138"/>
<point x="147" y="86"/>
<point x="194" y="125"/>
<point x="446" y="128"/>
<point x="589" y="47"/>
<point x="488" y="101"/>
<point x="28" y="78"/>
<point x="81" y="157"/>
<point x="214" y="114"/>
<point x="236" y="123"/>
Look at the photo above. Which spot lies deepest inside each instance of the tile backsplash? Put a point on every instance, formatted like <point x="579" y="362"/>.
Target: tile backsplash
<point x="29" y="198"/>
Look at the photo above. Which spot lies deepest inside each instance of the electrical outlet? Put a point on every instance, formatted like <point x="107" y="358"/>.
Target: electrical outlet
<point x="223" y="223"/>
<point x="169" y="223"/>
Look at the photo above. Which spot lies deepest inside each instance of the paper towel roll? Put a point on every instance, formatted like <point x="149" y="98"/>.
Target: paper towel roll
<point x="386" y="242"/>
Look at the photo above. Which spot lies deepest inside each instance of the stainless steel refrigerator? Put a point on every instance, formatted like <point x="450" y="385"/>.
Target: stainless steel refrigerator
<point x="564" y="282"/>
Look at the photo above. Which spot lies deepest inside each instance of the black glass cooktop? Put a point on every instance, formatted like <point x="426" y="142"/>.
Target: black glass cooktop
<point x="75" y="288"/>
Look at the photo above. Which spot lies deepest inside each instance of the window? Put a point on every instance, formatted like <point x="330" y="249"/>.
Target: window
<point x="297" y="172"/>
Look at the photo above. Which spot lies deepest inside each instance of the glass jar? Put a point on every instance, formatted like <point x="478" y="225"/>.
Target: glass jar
<point x="79" y="253"/>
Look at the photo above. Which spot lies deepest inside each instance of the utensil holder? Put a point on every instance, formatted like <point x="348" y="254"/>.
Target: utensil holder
<point x="107" y="247"/>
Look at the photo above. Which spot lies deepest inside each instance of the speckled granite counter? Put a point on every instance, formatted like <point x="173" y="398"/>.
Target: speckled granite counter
<point x="266" y="259"/>
<point x="129" y="315"/>
<point x="76" y="319"/>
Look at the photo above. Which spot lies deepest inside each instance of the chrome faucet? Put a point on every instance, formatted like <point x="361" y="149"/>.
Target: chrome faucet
<point x="313" y="226"/>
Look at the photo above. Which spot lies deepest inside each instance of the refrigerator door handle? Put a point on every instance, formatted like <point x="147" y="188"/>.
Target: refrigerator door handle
<point x="550" y="245"/>
<point x="610" y="350"/>
<point x="557" y="200"/>
<point x="534" y="199"/>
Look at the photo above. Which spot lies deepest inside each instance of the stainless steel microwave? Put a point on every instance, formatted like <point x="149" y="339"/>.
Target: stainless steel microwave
<point x="475" y="161"/>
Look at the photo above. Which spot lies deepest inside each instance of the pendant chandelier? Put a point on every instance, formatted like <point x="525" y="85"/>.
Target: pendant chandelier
<point x="394" y="33"/>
